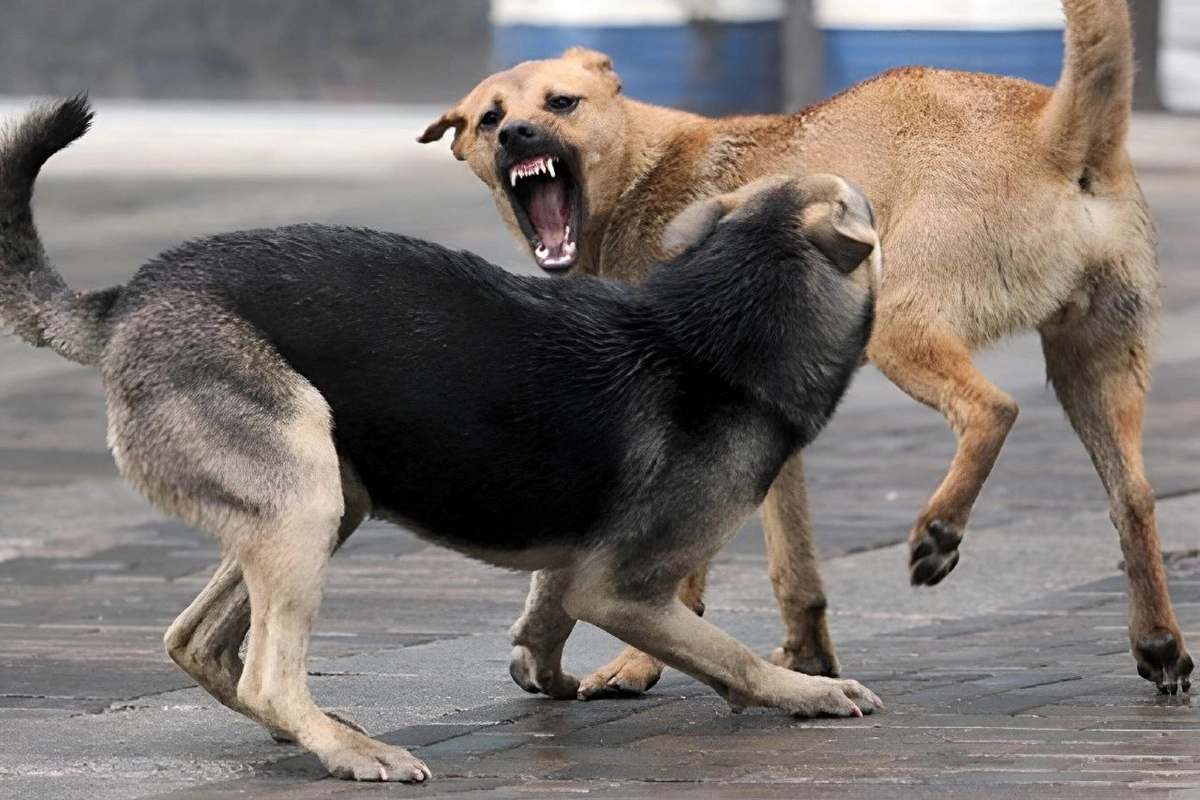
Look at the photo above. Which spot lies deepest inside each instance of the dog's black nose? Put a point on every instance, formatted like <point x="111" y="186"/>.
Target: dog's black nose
<point x="518" y="132"/>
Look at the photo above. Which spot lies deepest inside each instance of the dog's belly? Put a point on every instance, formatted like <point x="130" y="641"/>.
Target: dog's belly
<point x="475" y="485"/>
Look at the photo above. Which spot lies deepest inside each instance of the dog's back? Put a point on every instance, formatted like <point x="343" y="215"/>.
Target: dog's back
<point x="495" y="413"/>
<point x="452" y="384"/>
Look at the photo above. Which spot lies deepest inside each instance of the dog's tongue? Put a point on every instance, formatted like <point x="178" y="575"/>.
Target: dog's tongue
<point x="549" y="211"/>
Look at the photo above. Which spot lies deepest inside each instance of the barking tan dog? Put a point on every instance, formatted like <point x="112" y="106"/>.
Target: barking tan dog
<point x="1003" y="206"/>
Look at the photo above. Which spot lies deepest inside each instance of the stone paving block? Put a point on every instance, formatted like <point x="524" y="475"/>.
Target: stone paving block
<point x="86" y="681"/>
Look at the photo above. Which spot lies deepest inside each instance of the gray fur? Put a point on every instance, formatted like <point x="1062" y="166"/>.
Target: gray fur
<point x="35" y="302"/>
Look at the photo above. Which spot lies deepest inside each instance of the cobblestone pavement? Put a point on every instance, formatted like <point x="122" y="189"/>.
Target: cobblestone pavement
<point x="1012" y="679"/>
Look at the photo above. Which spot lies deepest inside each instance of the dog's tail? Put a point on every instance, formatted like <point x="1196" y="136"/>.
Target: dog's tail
<point x="35" y="302"/>
<point x="1087" y="120"/>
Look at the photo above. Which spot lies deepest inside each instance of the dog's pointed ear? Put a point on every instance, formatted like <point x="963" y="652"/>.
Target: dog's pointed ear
<point x="596" y="61"/>
<point x="453" y="118"/>
<point x="694" y="224"/>
<point x="838" y="219"/>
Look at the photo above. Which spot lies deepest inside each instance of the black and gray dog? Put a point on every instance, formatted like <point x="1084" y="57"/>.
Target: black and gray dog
<point x="275" y="386"/>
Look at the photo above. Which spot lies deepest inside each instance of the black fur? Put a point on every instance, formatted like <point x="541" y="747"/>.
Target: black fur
<point x="490" y="411"/>
<point x="499" y="411"/>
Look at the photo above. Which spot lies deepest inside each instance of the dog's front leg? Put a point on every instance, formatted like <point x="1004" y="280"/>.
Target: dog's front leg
<point x="670" y="631"/>
<point x="792" y="563"/>
<point x="633" y="673"/>
<point x="539" y="635"/>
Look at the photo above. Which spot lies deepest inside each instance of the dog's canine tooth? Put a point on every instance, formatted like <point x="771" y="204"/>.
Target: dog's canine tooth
<point x="550" y="166"/>
<point x="512" y="174"/>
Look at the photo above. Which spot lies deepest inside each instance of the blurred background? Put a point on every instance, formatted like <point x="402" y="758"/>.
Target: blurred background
<point x="714" y="56"/>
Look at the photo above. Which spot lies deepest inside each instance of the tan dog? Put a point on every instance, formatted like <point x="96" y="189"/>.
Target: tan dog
<point x="1003" y="206"/>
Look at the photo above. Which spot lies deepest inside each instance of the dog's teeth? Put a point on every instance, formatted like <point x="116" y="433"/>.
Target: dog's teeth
<point x="550" y="166"/>
<point x="513" y="176"/>
<point x="542" y="252"/>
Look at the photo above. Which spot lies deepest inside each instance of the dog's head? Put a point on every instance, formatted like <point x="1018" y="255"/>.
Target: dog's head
<point x="543" y="136"/>
<point x="828" y="211"/>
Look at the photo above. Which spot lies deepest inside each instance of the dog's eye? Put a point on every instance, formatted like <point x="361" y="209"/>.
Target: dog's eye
<point x="490" y="120"/>
<point x="562" y="103"/>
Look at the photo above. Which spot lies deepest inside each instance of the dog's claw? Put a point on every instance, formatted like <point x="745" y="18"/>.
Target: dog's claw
<point x="1162" y="660"/>
<point x="837" y="698"/>
<point x="935" y="554"/>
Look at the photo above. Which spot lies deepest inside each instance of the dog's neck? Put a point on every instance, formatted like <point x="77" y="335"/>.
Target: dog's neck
<point x="666" y="149"/>
<point x="748" y="306"/>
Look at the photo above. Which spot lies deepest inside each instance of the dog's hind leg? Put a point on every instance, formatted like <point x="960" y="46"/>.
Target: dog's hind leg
<point x="633" y="672"/>
<point x="1099" y="362"/>
<point x="936" y="369"/>
<point x="792" y="563"/>
<point x="283" y="561"/>
<point x="539" y="635"/>
<point x="206" y="639"/>
<point x="247" y="453"/>
<point x="664" y="627"/>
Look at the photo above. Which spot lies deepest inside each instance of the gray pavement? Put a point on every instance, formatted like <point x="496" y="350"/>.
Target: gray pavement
<point x="1010" y="680"/>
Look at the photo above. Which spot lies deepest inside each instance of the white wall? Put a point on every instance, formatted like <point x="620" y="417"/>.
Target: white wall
<point x="940" y="14"/>
<point x="1179" y="55"/>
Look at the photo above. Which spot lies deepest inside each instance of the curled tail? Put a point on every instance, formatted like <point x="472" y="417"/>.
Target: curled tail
<point x="1086" y="122"/>
<point x="35" y="302"/>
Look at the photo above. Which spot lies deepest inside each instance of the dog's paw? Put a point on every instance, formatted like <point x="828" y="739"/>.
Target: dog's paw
<point x="365" y="759"/>
<point x="935" y="554"/>
<point x="524" y="668"/>
<point x="821" y="663"/>
<point x="1162" y="659"/>
<point x="831" y="697"/>
<point x="630" y="674"/>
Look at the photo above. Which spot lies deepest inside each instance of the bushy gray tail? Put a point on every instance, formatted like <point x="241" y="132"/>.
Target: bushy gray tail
<point x="1087" y="120"/>
<point x="35" y="302"/>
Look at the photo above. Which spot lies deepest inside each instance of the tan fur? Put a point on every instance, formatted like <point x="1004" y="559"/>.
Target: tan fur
<point x="685" y="641"/>
<point x="1002" y="206"/>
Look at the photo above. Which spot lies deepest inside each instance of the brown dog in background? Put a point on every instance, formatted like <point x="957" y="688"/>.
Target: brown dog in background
<point x="1003" y="206"/>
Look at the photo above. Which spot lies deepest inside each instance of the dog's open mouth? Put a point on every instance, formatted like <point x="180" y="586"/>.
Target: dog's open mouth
<point x="545" y="196"/>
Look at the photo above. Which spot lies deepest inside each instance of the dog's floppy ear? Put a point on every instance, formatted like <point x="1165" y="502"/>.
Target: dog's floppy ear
<point x="453" y="118"/>
<point x="595" y="61"/>
<point x="837" y="218"/>
<point x="694" y="224"/>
